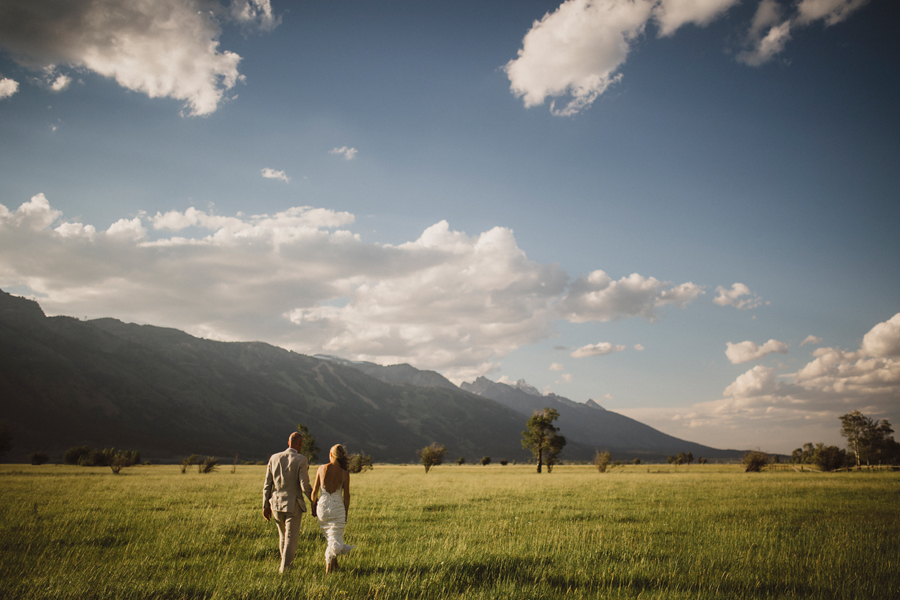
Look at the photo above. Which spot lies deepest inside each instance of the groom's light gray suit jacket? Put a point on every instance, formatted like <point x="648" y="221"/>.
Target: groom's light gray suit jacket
<point x="287" y="481"/>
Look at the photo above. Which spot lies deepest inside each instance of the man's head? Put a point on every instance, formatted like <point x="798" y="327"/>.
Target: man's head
<point x="296" y="441"/>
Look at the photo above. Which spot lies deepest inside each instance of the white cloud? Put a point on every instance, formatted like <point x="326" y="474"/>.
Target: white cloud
<point x="830" y="11"/>
<point x="735" y="297"/>
<point x="597" y="297"/>
<point x="347" y="153"/>
<point x="762" y="408"/>
<point x="273" y="174"/>
<point x="596" y="350"/>
<point x="567" y="377"/>
<point x="883" y="340"/>
<point x="255" y="12"/>
<point x="8" y="87"/>
<point x="162" y="48"/>
<point x="672" y="14"/>
<point x="747" y="351"/>
<point x="811" y="339"/>
<point x="556" y="367"/>
<point x="638" y="347"/>
<point x="769" y="32"/>
<point x="60" y="83"/>
<point x="576" y="51"/>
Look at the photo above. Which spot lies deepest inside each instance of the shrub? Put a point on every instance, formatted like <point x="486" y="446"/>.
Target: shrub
<point x="432" y="455"/>
<point x="637" y="461"/>
<point x="601" y="460"/>
<point x="461" y="460"/>
<point x="485" y="460"/>
<point x="209" y="465"/>
<point x="357" y="463"/>
<point x="504" y="462"/>
<point x="38" y="458"/>
<point x="187" y="462"/>
<point x="73" y="455"/>
<point x="754" y="461"/>
<point x="702" y="461"/>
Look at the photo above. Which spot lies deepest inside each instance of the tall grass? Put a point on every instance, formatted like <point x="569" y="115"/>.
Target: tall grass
<point x="460" y="532"/>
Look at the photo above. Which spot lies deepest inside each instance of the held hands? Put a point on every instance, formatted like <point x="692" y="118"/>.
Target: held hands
<point x="267" y="512"/>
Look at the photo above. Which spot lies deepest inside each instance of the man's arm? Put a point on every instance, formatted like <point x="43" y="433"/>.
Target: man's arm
<point x="268" y="486"/>
<point x="304" y="483"/>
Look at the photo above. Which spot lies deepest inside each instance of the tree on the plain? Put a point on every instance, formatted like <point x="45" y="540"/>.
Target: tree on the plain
<point x="541" y="437"/>
<point x="432" y="455"/>
<point x="601" y="460"/>
<point x="868" y="439"/>
<point x="485" y="461"/>
<point x="309" y="449"/>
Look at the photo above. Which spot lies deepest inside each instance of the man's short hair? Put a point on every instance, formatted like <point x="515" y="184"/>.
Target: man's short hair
<point x="295" y="436"/>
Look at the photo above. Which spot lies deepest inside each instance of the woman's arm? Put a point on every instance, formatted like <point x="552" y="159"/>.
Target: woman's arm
<point x="346" y="494"/>
<point x="316" y="485"/>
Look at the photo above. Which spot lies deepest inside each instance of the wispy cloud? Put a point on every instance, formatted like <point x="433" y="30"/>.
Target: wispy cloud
<point x="739" y="296"/>
<point x="596" y="350"/>
<point x="347" y="153"/>
<point x="811" y="339"/>
<point x="273" y="174"/>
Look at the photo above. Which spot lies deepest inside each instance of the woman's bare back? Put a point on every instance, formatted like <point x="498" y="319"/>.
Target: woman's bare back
<point x="332" y="477"/>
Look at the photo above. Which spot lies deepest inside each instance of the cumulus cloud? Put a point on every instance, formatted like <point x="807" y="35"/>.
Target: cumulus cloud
<point x="162" y="48"/>
<point x="736" y="297"/>
<point x="556" y="367"/>
<point x="770" y="32"/>
<point x="60" y="83"/>
<point x="255" y="12"/>
<point x="576" y="53"/>
<point x="273" y="174"/>
<point x="794" y="408"/>
<point x="596" y="297"/>
<point x="811" y="339"/>
<point x="8" y="87"/>
<point x="596" y="350"/>
<point x="747" y="351"/>
<point x="347" y="153"/>
<point x="638" y="347"/>
<point x="672" y="14"/>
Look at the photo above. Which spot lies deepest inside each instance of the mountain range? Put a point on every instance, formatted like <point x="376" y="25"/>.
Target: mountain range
<point x="103" y="383"/>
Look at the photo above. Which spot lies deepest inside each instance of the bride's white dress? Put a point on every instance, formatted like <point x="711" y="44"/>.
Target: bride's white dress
<point x="332" y="518"/>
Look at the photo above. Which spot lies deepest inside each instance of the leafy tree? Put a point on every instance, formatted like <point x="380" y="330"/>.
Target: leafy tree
<point x="461" y="460"/>
<point x="209" y="465"/>
<point x="827" y="458"/>
<point x="357" y="463"/>
<point x="73" y="455"/>
<point x="432" y="455"/>
<point x="754" y="461"/>
<point x="601" y="460"/>
<point x="504" y="462"/>
<point x="187" y="462"/>
<point x="542" y="439"/>
<point x="637" y="461"/>
<point x="702" y="461"/>
<point x="5" y="438"/>
<point x="485" y="461"/>
<point x="38" y="458"/>
<point x="868" y="439"/>
<point x="309" y="449"/>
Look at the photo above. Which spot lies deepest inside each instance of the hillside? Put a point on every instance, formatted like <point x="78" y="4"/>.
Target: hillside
<point x="66" y="382"/>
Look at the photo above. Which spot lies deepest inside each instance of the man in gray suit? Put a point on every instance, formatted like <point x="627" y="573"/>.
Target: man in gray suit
<point x="287" y="476"/>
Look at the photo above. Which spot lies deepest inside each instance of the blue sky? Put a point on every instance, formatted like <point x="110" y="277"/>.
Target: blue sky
<point x="686" y="211"/>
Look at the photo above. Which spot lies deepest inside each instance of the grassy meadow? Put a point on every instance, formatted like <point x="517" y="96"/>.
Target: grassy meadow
<point x="458" y="532"/>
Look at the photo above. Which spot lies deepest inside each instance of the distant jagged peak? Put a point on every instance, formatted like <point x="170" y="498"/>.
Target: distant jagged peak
<point x="593" y="404"/>
<point x="529" y="389"/>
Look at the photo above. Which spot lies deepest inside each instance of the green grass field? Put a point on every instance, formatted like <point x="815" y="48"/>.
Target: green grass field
<point x="458" y="532"/>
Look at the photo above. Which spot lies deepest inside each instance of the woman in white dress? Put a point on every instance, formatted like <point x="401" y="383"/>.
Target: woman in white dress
<point x="331" y="498"/>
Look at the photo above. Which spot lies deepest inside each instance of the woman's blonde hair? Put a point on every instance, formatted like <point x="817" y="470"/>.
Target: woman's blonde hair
<point x="340" y="454"/>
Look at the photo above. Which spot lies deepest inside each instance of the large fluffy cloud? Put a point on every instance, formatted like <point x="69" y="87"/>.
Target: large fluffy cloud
<point x="597" y="297"/>
<point x="797" y="407"/>
<point x="746" y="351"/>
<point x="163" y="48"/>
<point x="300" y="279"/>
<point x="576" y="52"/>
